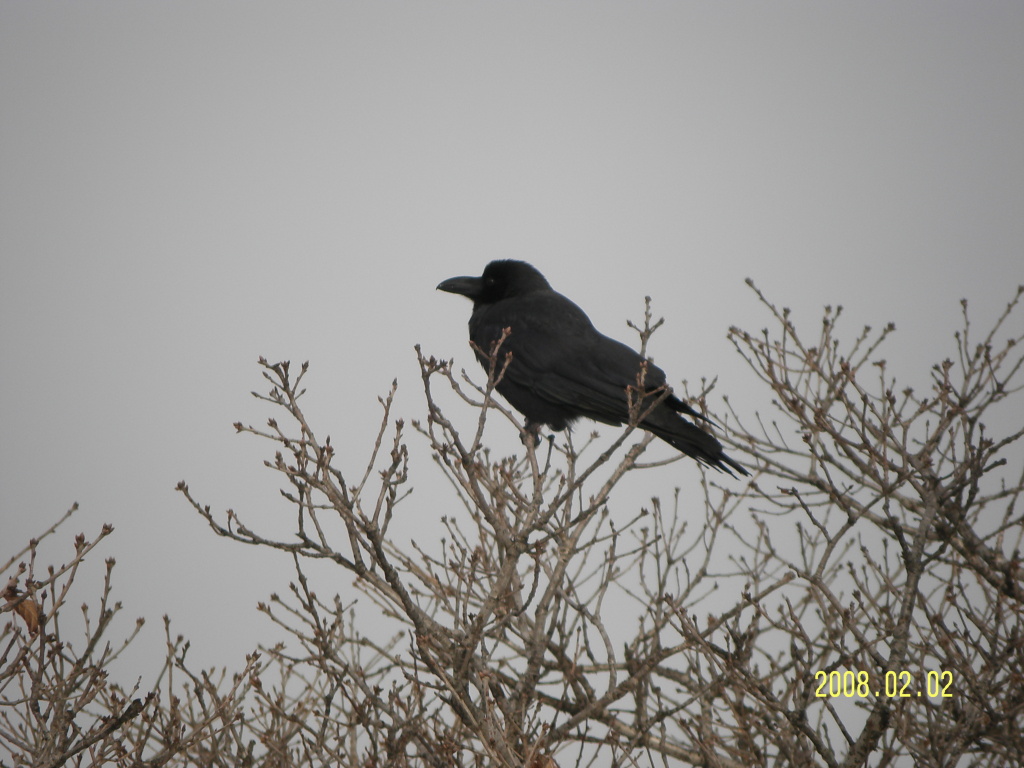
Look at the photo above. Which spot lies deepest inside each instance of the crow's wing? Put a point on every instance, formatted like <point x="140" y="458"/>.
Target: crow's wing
<point x="560" y="358"/>
<point x="563" y="368"/>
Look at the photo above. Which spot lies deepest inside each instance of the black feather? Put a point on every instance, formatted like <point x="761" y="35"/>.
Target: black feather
<point x="562" y="367"/>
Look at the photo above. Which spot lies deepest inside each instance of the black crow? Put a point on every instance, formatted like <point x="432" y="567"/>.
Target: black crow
<point x="562" y="367"/>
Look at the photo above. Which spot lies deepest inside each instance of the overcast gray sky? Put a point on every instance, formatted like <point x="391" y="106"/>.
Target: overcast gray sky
<point x="187" y="186"/>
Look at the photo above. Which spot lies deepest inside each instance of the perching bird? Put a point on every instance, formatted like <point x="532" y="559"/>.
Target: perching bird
<point x="562" y="367"/>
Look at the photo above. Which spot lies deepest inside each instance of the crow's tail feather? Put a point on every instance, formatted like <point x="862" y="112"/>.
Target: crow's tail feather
<point x="692" y="441"/>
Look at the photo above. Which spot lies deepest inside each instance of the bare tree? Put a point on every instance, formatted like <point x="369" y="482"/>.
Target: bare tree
<point x="858" y="602"/>
<point x="907" y="569"/>
<point x="58" y="705"/>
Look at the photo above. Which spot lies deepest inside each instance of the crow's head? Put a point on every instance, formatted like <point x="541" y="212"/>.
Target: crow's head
<point x="500" y="280"/>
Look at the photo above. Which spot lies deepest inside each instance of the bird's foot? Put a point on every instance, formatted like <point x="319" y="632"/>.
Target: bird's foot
<point x="531" y="433"/>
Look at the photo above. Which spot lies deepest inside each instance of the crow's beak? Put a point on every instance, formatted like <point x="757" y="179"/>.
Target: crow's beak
<point x="464" y="286"/>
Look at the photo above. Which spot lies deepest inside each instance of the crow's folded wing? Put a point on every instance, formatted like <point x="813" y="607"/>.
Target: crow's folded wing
<point x="560" y="358"/>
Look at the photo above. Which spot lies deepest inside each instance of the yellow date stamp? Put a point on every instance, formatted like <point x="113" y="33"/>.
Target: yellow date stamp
<point x="852" y="684"/>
